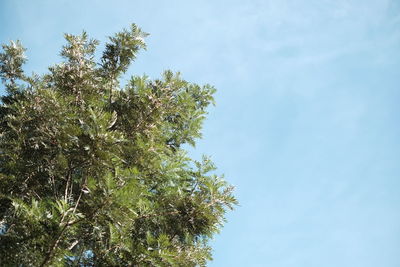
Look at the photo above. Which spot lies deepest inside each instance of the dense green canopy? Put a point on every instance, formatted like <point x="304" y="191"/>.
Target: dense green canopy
<point x="94" y="173"/>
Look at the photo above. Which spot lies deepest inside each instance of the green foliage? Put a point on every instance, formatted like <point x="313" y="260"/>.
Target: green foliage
<point x="93" y="173"/>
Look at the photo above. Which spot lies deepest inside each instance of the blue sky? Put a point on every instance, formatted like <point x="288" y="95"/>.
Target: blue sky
<point x="307" y="118"/>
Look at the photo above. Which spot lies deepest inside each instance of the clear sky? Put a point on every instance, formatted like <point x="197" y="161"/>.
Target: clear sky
<point x="307" y="118"/>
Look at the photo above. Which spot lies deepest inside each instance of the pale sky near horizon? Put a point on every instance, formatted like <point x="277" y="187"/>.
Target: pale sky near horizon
<point x="307" y="118"/>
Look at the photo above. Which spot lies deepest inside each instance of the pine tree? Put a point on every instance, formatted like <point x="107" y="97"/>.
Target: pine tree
<point x="95" y="173"/>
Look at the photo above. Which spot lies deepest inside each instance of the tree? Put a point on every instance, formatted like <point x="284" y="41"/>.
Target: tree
<point x="94" y="173"/>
